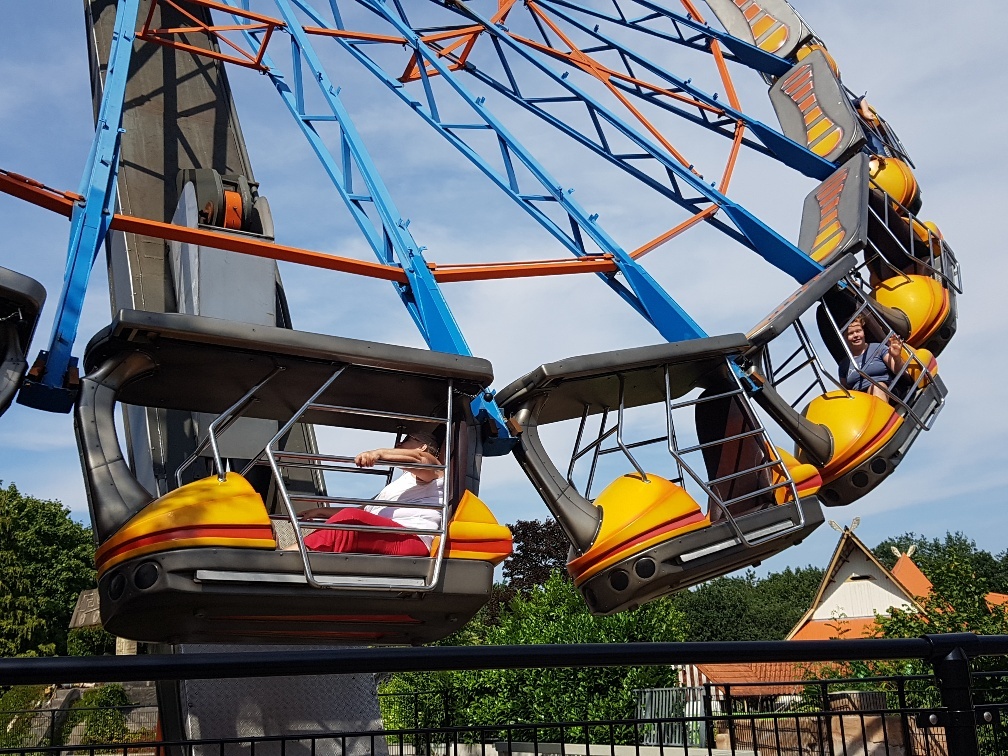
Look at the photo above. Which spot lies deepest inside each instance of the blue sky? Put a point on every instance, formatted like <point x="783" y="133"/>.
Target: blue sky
<point x="935" y="76"/>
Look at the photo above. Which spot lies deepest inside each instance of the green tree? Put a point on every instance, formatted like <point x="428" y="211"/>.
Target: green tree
<point x="749" y="608"/>
<point x="931" y="555"/>
<point x="552" y="613"/>
<point x="540" y="549"/>
<point x="46" y="560"/>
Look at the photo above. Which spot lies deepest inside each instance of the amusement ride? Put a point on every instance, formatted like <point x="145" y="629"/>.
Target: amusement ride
<point x="686" y="459"/>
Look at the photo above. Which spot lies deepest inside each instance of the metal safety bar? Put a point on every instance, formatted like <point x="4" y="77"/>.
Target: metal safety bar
<point x="220" y="424"/>
<point x="678" y="454"/>
<point x="902" y="399"/>
<point x="786" y="480"/>
<point x="943" y="266"/>
<point x="277" y="460"/>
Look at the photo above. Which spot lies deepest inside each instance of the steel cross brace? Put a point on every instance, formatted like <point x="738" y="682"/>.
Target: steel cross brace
<point x="390" y="239"/>
<point x="641" y="290"/>
<point x="745" y="53"/>
<point x="766" y="242"/>
<point x="779" y="146"/>
<point x="51" y="383"/>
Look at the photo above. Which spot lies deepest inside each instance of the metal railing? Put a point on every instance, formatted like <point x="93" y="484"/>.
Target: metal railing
<point x="953" y="712"/>
<point x="77" y="725"/>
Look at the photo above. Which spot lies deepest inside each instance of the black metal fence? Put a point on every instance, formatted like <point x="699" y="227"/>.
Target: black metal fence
<point x="955" y="711"/>
<point x="77" y="725"/>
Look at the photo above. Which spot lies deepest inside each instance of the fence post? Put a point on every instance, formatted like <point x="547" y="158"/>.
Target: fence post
<point x="952" y="668"/>
<point x="708" y="710"/>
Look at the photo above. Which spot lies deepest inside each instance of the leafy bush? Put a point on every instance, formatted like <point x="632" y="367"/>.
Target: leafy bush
<point x="102" y="711"/>
<point x="46" y="560"/>
<point x="17" y="712"/>
<point x="551" y="613"/>
<point x="90" y="641"/>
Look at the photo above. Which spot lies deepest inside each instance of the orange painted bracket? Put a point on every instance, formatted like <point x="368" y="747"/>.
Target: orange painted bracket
<point x="256" y="22"/>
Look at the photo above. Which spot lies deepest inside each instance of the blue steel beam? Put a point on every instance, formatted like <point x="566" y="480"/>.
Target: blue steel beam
<point x="765" y="241"/>
<point x="786" y="150"/>
<point x="52" y="389"/>
<point x="638" y="288"/>
<point x="747" y="54"/>
<point x="389" y="238"/>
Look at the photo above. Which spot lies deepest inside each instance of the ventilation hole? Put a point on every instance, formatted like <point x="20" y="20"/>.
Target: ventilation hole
<point x="859" y="479"/>
<point x="619" y="580"/>
<point x="145" y="576"/>
<point x="645" y="568"/>
<point x="116" y="586"/>
<point x="879" y="466"/>
<point x="831" y="495"/>
<point x="945" y="333"/>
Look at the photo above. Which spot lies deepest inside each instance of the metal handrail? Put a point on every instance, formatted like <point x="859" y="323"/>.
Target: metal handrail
<point x="713" y="496"/>
<point x="276" y="460"/>
<point x="220" y="424"/>
<point x="321" y="661"/>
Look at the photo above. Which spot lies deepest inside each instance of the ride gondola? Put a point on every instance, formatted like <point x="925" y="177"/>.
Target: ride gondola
<point x="907" y="268"/>
<point x="21" y="301"/>
<point x="712" y="495"/>
<point x="854" y="438"/>
<point x="202" y="562"/>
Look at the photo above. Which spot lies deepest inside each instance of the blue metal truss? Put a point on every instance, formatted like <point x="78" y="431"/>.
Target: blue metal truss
<point x="772" y="142"/>
<point x="638" y="288"/>
<point x="389" y="237"/>
<point x="753" y="232"/>
<point x="52" y="390"/>
<point x="700" y="38"/>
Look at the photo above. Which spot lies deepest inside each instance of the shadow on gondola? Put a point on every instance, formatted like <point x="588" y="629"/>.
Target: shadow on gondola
<point x="695" y="488"/>
<point x="206" y="562"/>
<point x="21" y="301"/>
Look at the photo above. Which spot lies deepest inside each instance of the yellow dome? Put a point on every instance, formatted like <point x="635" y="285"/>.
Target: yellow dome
<point x="921" y="298"/>
<point x="859" y="423"/>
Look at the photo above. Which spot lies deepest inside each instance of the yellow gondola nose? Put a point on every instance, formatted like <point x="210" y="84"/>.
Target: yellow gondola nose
<point x="895" y="178"/>
<point x="805" y="50"/>
<point x="921" y="298"/>
<point x="859" y="423"/>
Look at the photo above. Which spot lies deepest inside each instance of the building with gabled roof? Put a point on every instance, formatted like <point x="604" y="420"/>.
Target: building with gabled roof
<point x="856" y="588"/>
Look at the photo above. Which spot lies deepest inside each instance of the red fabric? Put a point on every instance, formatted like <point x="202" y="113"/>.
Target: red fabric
<point x="358" y="542"/>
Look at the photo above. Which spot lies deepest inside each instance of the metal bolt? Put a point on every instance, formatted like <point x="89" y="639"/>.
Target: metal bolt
<point x="933" y="719"/>
<point x="988" y="717"/>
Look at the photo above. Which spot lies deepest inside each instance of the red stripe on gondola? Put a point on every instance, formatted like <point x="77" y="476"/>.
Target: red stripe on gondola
<point x="263" y="532"/>
<point x="674" y="525"/>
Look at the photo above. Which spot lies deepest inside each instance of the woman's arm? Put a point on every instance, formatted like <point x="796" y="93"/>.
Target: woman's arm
<point x="893" y="357"/>
<point x="417" y="456"/>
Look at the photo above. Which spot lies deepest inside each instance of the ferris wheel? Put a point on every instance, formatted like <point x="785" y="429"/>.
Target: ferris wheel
<point x="678" y="471"/>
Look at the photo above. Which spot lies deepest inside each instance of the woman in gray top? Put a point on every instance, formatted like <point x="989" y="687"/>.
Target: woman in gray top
<point x="878" y="362"/>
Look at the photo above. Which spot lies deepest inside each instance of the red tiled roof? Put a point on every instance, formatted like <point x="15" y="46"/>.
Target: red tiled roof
<point x="996" y="599"/>
<point x="851" y="627"/>
<point x="910" y="577"/>
<point x="762" y="679"/>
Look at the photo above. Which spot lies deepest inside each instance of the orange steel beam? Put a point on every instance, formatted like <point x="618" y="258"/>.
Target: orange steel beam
<point x="258" y="22"/>
<point x="62" y="203"/>
<point x="492" y="271"/>
<point x="732" y="157"/>
<point x="354" y="35"/>
<point x="673" y="232"/>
